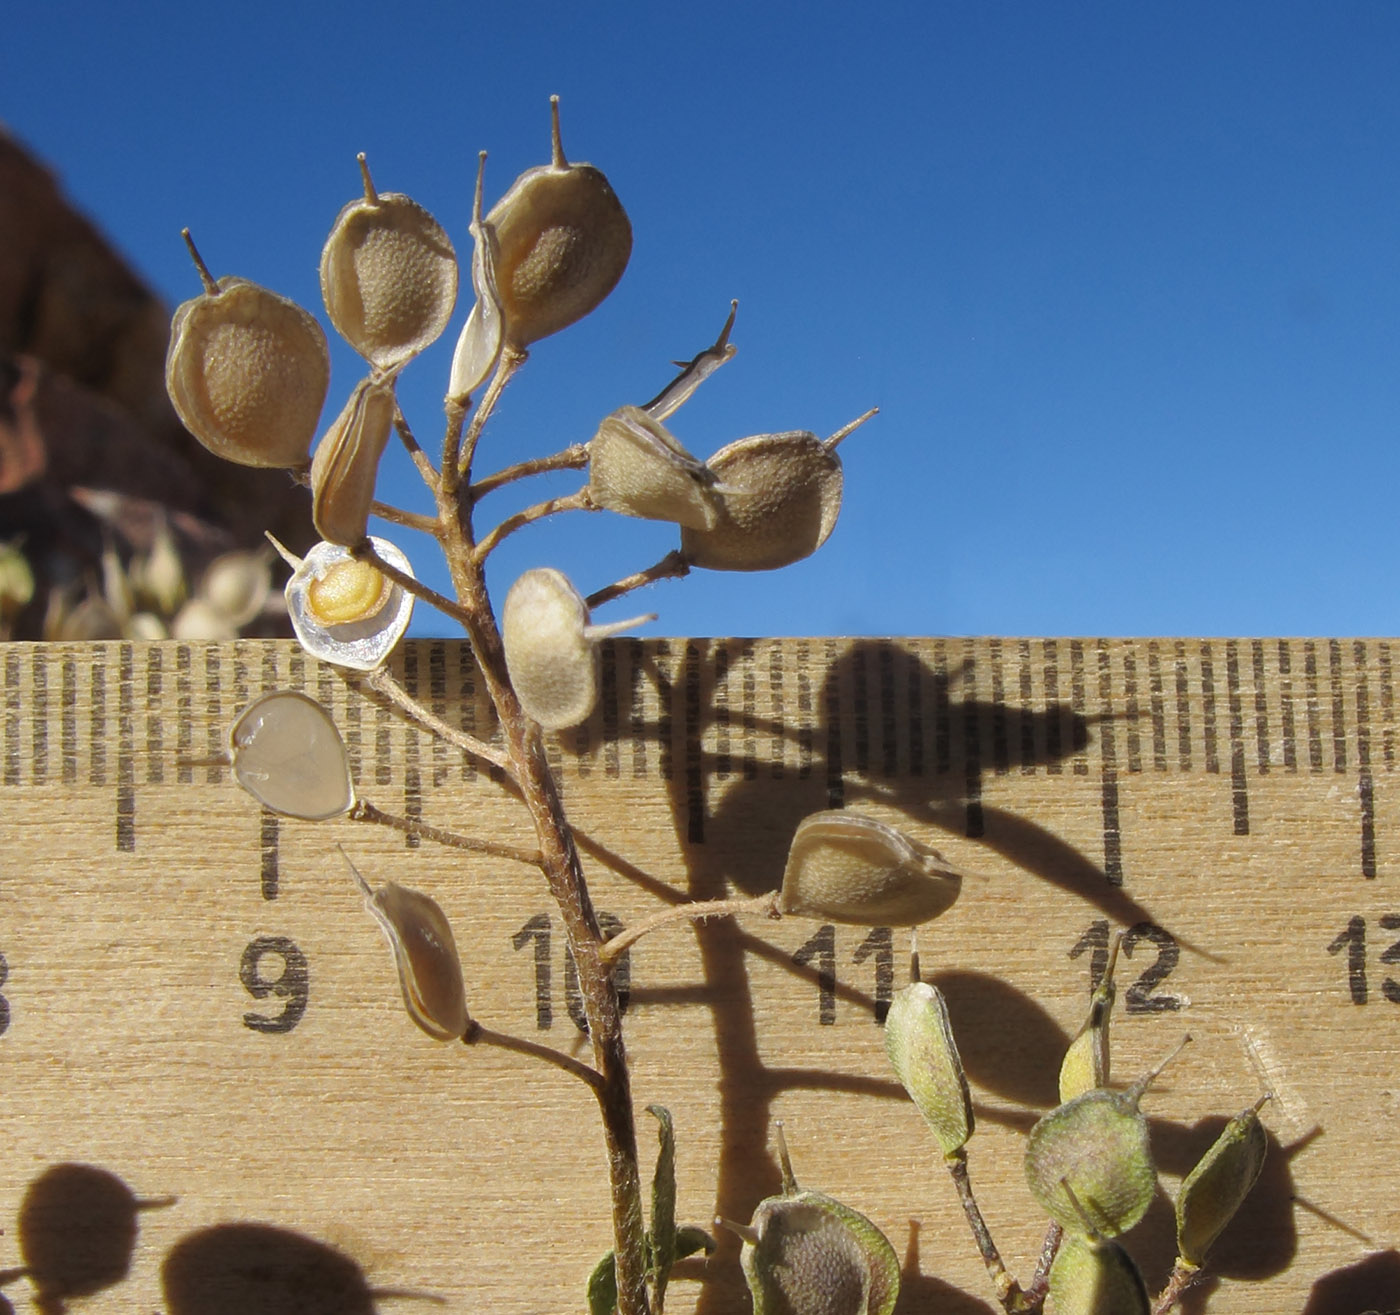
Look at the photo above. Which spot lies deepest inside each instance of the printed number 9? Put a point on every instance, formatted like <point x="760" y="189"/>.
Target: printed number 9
<point x="292" y="984"/>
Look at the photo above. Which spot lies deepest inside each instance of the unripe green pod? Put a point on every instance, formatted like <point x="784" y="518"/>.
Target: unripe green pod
<point x="425" y="954"/>
<point x="846" y="867"/>
<point x="919" y="1041"/>
<point x="1216" y="1188"/>
<point x="388" y="276"/>
<point x="782" y="496"/>
<point x="1095" y="1276"/>
<point x="1086" y="1062"/>
<point x="288" y="754"/>
<point x="247" y="372"/>
<point x="1097" y="1143"/>
<point x="346" y="464"/>
<point x="562" y="241"/>
<point x="636" y="467"/>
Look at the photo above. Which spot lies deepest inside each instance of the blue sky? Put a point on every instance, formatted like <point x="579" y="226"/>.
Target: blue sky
<point x="1124" y="279"/>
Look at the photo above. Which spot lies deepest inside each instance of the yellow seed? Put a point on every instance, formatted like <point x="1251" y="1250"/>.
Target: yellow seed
<point x="349" y="591"/>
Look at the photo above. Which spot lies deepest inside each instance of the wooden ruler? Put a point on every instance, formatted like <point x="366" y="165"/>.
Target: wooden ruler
<point x="196" y="1006"/>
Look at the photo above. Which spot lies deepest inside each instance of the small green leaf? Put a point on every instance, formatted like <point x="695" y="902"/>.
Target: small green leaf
<point x="663" y="1205"/>
<point x="602" y="1287"/>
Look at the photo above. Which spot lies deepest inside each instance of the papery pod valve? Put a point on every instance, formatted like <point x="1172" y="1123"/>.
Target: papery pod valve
<point x="1216" y="1188"/>
<point x="551" y="648"/>
<point x="287" y="753"/>
<point x="919" y="1042"/>
<point x="845" y="867"/>
<point x="247" y="372"/>
<point x="346" y="464"/>
<point x="562" y="241"/>
<point x="388" y="276"/>
<point x="637" y="468"/>
<point x="783" y="496"/>
<point x="1095" y="1276"/>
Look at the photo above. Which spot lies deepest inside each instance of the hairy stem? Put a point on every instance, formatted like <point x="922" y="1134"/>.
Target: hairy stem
<point x="579" y="501"/>
<point x="364" y="811"/>
<point x="571" y="458"/>
<point x="383" y="683"/>
<point x="1008" y="1290"/>
<point x="671" y="567"/>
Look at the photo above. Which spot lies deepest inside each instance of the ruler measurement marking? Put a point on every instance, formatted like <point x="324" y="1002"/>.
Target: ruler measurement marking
<point x="1132" y="712"/>
<point x="1001" y="744"/>
<point x="1076" y="702"/>
<point x="777" y="705"/>
<point x="1157" y="702"/>
<point x="1387" y="702"/>
<point x="39" y="712"/>
<point x="1365" y="789"/>
<point x="835" y="769"/>
<point x="637" y="706"/>
<point x="184" y="716"/>
<point x="889" y="717"/>
<point x="719" y="708"/>
<point x="748" y="707"/>
<point x="437" y="702"/>
<point x="1112" y="831"/>
<point x="1285" y="697"/>
<point x="860" y="710"/>
<point x="942" y="723"/>
<point x="412" y="773"/>
<point x="1208" y="724"/>
<point x="608" y="701"/>
<point x="1261" y="708"/>
<point x="13" y="722"/>
<point x="126" y="750"/>
<point x="1239" y="789"/>
<point x="694" y="764"/>
<point x="1026" y="689"/>
<point x="975" y="824"/>
<point x="1052" y="708"/>
<point x="665" y="659"/>
<point x="1339" y="735"/>
<point x="1312" y="706"/>
<point x="155" y="730"/>
<point x="806" y="735"/>
<point x="1183" y="707"/>
<point x="69" y="731"/>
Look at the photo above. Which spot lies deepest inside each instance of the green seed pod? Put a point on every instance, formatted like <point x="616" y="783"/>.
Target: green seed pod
<point x="425" y="954"/>
<point x="551" y="648"/>
<point x="247" y="372"/>
<point x="1094" y="1276"/>
<point x="1086" y="1062"/>
<point x="783" y="496"/>
<point x="846" y="867"/>
<point x="919" y="1041"/>
<point x="288" y="755"/>
<point x="636" y="467"/>
<point x="346" y="464"/>
<point x="388" y="276"/>
<point x="1218" y="1185"/>
<point x="1089" y="1159"/>
<point x="562" y="240"/>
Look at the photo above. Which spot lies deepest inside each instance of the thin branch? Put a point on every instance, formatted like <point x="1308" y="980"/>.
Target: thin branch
<point x="694" y="912"/>
<point x="383" y="683"/>
<point x="571" y="458"/>
<point x="420" y="458"/>
<point x="451" y="442"/>
<point x="365" y="552"/>
<point x="410" y="520"/>
<point x="1008" y="1290"/>
<point x="510" y="361"/>
<point x="484" y="1036"/>
<point x="674" y="566"/>
<point x="580" y="501"/>
<point x="364" y="811"/>
<point x="1040" y="1280"/>
<point x="1183" y="1278"/>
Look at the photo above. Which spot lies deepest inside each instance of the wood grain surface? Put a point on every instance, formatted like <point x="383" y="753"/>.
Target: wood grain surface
<point x="213" y="1100"/>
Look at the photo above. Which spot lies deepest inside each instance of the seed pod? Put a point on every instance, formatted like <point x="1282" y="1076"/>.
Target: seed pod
<point x="1218" y="1185"/>
<point x="388" y="276"/>
<point x="1086" y="1062"/>
<point x="425" y="953"/>
<point x="636" y="467"/>
<point x="562" y="241"/>
<point x="783" y="496"/>
<point x="1095" y="1276"/>
<point x="346" y="463"/>
<point x="289" y="756"/>
<point x="247" y="372"/>
<point x="237" y="584"/>
<point x="919" y="1041"/>
<point x="158" y="576"/>
<point x="845" y="867"/>
<point x="344" y="610"/>
<point x="479" y="344"/>
<point x="1089" y="1159"/>
<point x="551" y="648"/>
<point x="807" y="1254"/>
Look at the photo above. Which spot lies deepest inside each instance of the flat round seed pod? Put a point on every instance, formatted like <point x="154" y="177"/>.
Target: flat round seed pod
<point x="814" y="1256"/>
<point x="388" y="276"/>
<point x="562" y="242"/>
<point x="1093" y="1276"/>
<point x="1097" y="1143"/>
<point x="289" y="756"/>
<point x="346" y="611"/>
<point x="637" y="468"/>
<point x="346" y="464"/>
<point x="846" y="867"/>
<point x="553" y="666"/>
<point x="784" y="494"/>
<point x="919" y="1042"/>
<point x="247" y="372"/>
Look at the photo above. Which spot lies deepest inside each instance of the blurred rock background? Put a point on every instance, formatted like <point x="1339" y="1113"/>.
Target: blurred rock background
<point x="98" y="478"/>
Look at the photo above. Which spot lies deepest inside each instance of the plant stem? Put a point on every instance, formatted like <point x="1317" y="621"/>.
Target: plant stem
<point x="365" y="552"/>
<point x="571" y="458"/>
<point x="1008" y="1290"/>
<point x="484" y="1036"/>
<point x="1183" y="1278"/>
<point x="579" y="501"/>
<point x="671" y="567"/>
<point x="364" y="811"/>
<point x="410" y="520"/>
<point x="697" y="911"/>
<point x="383" y="683"/>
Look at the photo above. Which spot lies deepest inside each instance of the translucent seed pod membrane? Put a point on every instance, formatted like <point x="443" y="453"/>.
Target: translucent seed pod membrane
<point x="347" y="611"/>
<point x="289" y="756"/>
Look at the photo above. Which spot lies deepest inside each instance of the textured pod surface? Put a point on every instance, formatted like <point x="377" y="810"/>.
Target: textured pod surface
<point x="919" y="1041"/>
<point x="247" y="372"/>
<point x="1097" y="1143"/>
<point x="425" y="954"/>
<point x="784" y="494"/>
<point x="846" y="867"/>
<point x="346" y="464"/>
<point x="1093" y="1276"/>
<point x="388" y="277"/>
<point x="553" y="666"/>
<point x="345" y="611"/>
<point x="1087" y="1058"/>
<point x="815" y="1256"/>
<point x="637" y="468"/>
<point x="289" y="756"/>
<point x="1216" y="1188"/>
